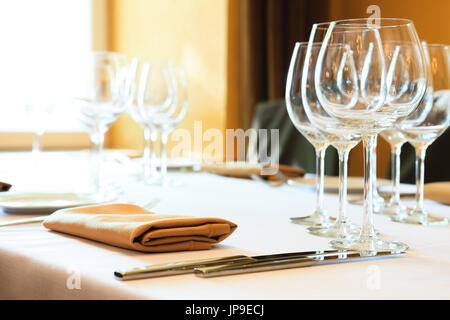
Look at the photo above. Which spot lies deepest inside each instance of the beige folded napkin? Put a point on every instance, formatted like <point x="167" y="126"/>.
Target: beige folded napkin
<point x="241" y="169"/>
<point x="438" y="191"/>
<point x="132" y="227"/>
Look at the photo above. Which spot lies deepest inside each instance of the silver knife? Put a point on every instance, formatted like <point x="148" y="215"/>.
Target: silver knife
<point x="184" y="267"/>
<point x="270" y="265"/>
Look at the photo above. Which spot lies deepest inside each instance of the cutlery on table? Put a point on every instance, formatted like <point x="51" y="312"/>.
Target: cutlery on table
<point x="295" y="262"/>
<point x="240" y="264"/>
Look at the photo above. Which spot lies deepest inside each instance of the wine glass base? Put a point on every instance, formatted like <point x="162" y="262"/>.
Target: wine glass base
<point x="378" y="202"/>
<point x="170" y="182"/>
<point x="316" y="220"/>
<point x="420" y="219"/>
<point x="338" y="230"/>
<point x="395" y="211"/>
<point x="105" y="191"/>
<point x="156" y="181"/>
<point x="152" y="180"/>
<point x="369" y="247"/>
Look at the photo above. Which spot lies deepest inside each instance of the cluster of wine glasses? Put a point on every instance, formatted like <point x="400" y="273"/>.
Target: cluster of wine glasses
<point x="156" y="97"/>
<point x="356" y="79"/>
<point x="161" y="102"/>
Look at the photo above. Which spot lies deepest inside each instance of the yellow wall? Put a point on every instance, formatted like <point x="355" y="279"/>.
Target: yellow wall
<point x="431" y="17"/>
<point x="192" y="33"/>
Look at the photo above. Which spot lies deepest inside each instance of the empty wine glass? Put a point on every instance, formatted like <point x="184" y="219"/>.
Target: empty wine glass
<point x="162" y="102"/>
<point x="375" y="90"/>
<point x="101" y="96"/>
<point x="149" y="169"/>
<point x="299" y="117"/>
<point x="426" y="124"/>
<point x="302" y="95"/>
<point x="154" y="92"/>
<point x="394" y="207"/>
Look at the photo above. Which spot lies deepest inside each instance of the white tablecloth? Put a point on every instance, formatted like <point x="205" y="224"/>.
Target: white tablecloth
<point x="36" y="263"/>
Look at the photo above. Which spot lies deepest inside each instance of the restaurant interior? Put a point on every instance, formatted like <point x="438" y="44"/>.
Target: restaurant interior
<point x="114" y="109"/>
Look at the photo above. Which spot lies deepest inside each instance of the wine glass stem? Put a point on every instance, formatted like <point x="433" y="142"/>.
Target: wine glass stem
<point x="374" y="170"/>
<point x="395" y="167"/>
<point x="37" y="143"/>
<point x="343" y="161"/>
<point x="163" y="156"/>
<point x="320" y="172"/>
<point x="154" y="139"/>
<point x="148" y="151"/>
<point x="420" y="177"/>
<point x="36" y="150"/>
<point x="368" y="231"/>
<point x="97" y="141"/>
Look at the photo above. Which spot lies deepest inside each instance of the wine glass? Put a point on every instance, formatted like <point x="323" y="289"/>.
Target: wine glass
<point x="149" y="171"/>
<point x="394" y="208"/>
<point x="301" y="93"/>
<point x="101" y="96"/>
<point x="154" y="93"/>
<point x="163" y="101"/>
<point x="301" y="121"/>
<point x="375" y="90"/>
<point x="426" y="124"/>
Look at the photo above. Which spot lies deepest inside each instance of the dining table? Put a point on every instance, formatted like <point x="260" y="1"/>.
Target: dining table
<point x="37" y="263"/>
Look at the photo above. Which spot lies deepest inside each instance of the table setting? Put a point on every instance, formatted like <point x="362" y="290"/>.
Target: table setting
<point x="121" y="224"/>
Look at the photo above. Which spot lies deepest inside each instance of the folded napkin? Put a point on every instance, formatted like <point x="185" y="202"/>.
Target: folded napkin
<point x="241" y="169"/>
<point x="438" y="191"/>
<point x="132" y="227"/>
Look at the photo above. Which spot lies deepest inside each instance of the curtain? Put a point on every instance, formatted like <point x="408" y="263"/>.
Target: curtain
<point x="268" y="32"/>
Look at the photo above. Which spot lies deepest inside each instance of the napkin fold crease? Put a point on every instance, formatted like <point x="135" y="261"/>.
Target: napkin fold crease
<point x="132" y="227"/>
